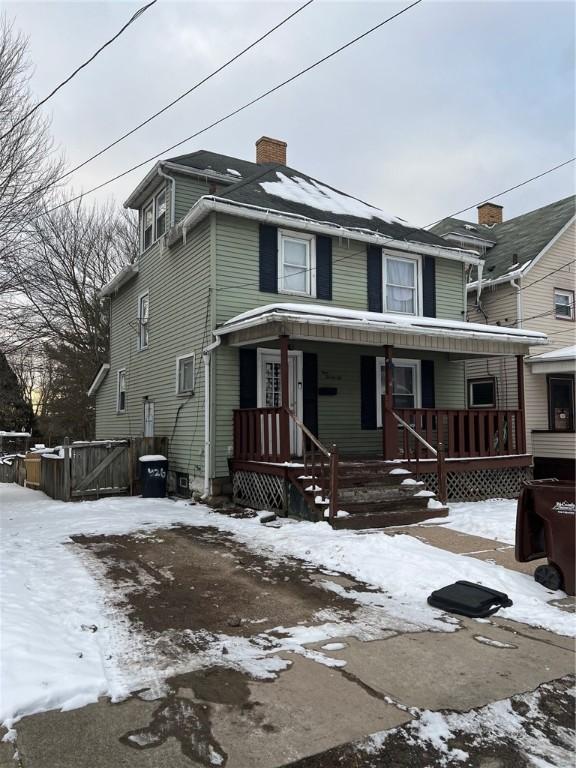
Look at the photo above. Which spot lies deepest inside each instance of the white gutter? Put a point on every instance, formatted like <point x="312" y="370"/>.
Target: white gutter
<point x="507" y="278"/>
<point x="98" y="379"/>
<point x="172" y="181"/>
<point x="208" y="203"/>
<point x="206" y="355"/>
<point x="125" y="274"/>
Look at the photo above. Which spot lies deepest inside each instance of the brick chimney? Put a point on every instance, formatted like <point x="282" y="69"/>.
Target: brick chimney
<point x="490" y="213"/>
<point x="270" y="150"/>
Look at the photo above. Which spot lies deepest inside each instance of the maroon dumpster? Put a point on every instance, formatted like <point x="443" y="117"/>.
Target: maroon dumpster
<point x="545" y="527"/>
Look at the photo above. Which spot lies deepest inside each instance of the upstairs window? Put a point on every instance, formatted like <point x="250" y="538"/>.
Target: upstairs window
<point x="563" y="304"/>
<point x="143" y="320"/>
<point x="296" y="264"/>
<point x="121" y="391"/>
<point x="147" y="226"/>
<point x="185" y="375"/>
<point x="160" y="209"/>
<point x="401" y="285"/>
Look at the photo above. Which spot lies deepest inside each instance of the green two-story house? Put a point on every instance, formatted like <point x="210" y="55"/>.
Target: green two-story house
<point x="273" y="324"/>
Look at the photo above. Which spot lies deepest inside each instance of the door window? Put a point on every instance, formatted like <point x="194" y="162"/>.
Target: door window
<point x="272" y="384"/>
<point x="405" y="384"/>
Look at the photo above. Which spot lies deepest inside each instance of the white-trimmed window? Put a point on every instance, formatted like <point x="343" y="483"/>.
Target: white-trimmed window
<point x="160" y="213"/>
<point x="405" y="384"/>
<point x="401" y="285"/>
<point x="185" y="374"/>
<point x="148" y="226"/>
<point x="482" y="392"/>
<point x="563" y="304"/>
<point x="143" y="320"/>
<point x="121" y="391"/>
<point x="296" y="263"/>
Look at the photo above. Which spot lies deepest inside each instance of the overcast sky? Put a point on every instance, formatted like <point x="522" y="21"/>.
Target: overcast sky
<point x="446" y="105"/>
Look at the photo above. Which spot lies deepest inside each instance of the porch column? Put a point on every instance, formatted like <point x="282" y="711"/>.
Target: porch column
<point x="521" y="427"/>
<point x="390" y="433"/>
<point x="285" y="401"/>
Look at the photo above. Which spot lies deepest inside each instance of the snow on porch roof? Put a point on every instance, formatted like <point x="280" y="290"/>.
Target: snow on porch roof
<point x="317" y="314"/>
<point x="565" y="353"/>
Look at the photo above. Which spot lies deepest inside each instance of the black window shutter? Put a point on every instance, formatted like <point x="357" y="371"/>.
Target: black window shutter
<point x="374" y="274"/>
<point x="368" y="392"/>
<point x="310" y="391"/>
<point x="248" y="374"/>
<point x="429" y="286"/>
<point x="268" y="258"/>
<point x="323" y="267"/>
<point x="427" y="375"/>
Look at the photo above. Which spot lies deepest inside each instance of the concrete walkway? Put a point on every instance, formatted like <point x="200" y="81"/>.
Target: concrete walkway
<point x="219" y="716"/>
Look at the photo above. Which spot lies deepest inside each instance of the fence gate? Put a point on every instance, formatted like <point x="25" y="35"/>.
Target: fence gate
<point x="98" y="469"/>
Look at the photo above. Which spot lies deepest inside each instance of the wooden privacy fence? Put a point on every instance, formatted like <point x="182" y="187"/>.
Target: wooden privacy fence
<point x="32" y="463"/>
<point x="95" y="469"/>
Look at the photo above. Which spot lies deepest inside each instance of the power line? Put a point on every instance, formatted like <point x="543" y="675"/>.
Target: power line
<point x="499" y="194"/>
<point x="130" y="21"/>
<point x="239" y="109"/>
<point x="542" y="314"/>
<point x="186" y="93"/>
<point x="568" y="264"/>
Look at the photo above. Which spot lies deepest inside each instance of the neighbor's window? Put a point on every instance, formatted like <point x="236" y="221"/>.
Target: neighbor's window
<point x="143" y="320"/>
<point x="121" y="391"/>
<point x="185" y="374"/>
<point x="563" y="304"/>
<point x="561" y="403"/>
<point x="160" y="212"/>
<point x="400" y="285"/>
<point x="482" y="393"/>
<point x="296" y="264"/>
<point x="147" y="226"/>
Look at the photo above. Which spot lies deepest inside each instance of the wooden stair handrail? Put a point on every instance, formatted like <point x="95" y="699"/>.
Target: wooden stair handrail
<point x="412" y="431"/>
<point x="307" y="432"/>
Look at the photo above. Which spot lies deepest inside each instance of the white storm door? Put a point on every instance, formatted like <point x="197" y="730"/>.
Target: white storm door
<point x="270" y="388"/>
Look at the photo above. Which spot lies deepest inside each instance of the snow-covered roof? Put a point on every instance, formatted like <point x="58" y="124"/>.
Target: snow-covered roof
<point x="125" y="274"/>
<point x="8" y="433"/>
<point x="319" y="314"/>
<point x="99" y="378"/>
<point x="565" y="353"/>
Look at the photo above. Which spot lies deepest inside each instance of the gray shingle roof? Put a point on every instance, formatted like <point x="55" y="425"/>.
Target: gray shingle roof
<point x="249" y="190"/>
<point x="518" y="240"/>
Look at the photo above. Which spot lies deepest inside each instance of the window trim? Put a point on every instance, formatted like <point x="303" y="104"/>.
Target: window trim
<point x="418" y="297"/>
<point x="479" y="380"/>
<point x="151" y="201"/>
<point x="139" y="345"/>
<point x="565" y="377"/>
<point x="286" y="234"/>
<point x="118" y="373"/>
<point x="571" y="295"/>
<point x="179" y="360"/>
<point x="400" y="362"/>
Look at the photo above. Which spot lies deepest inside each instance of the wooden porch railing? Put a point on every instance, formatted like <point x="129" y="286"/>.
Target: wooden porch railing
<point x="263" y="434"/>
<point x="464" y="433"/>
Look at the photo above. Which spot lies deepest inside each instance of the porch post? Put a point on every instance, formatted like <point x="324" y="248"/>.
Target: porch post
<point x="390" y="433"/>
<point x="521" y="426"/>
<point x="285" y="403"/>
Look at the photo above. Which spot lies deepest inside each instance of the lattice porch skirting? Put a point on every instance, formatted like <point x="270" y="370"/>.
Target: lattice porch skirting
<point x="259" y="491"/>
<point x="480" y="484"/>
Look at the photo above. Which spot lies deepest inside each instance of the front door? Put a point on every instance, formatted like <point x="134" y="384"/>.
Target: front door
<point x="148" y="418"/>
<point x="270" y="388"/>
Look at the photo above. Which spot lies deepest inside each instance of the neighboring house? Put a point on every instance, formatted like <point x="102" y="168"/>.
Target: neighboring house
<point x="269" y="314"/>
<point x="528" y="281"/>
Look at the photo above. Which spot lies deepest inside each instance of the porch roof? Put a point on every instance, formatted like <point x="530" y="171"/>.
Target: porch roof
<point x="507" y="340"/>
<point x="556" y="361"/>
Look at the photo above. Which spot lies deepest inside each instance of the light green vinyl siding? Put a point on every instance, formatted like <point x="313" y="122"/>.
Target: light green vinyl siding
<point x="450" y="289"/>
<point x="338" y="416"/>
<point x="180" y="322"/>
<point x="188" y="190"/>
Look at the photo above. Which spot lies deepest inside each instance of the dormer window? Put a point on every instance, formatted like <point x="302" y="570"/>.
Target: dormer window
<point x="153" y="220"/>
<point x="160" y="207"/>
<point x="147" y="226"/>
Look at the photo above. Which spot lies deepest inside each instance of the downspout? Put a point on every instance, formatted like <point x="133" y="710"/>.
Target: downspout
<point x="518" y="288"/>
<point x="479" y="291"/>
<point x="172" y="194"/>
<point x="206" y="355"/>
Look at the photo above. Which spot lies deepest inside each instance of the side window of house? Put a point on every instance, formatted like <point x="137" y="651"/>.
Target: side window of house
<point x="482" y="393"/>
<point x="563" y="304"/>
<point x="401" y="285"/>
<point x="185" y="375"/>
<point x="121" y="391"/>
<point x="296" y="264"/>
<point x="143" y="320"/>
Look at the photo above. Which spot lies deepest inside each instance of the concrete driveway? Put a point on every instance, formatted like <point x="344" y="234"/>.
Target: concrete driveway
<point x="188" y="585"/>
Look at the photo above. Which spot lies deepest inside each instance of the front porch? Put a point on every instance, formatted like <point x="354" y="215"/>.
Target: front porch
<point x="375" y="421"/>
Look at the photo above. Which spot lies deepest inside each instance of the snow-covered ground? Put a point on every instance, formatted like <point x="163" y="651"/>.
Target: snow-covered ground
<point x="51" y="603"/>
<point x="492" y="519"/>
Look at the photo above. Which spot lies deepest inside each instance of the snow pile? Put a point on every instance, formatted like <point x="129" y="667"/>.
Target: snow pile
<point x="316" y="195"/>
<point x="493" y="519"/>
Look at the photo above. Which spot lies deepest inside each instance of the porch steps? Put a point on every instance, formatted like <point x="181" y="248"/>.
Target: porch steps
<point x="374" y="496"/>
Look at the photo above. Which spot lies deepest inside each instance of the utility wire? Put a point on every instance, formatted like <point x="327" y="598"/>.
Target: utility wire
<point x="239" y="109"/>
<point x="568" y="264"/>
<point x="186" y="93"/>
<point x="130" y="21"/>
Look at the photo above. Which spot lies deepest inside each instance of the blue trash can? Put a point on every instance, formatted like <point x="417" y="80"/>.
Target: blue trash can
<point x="153" y="476"/>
